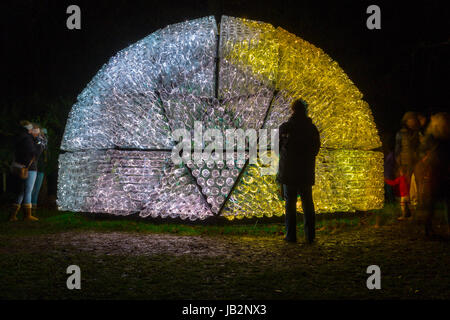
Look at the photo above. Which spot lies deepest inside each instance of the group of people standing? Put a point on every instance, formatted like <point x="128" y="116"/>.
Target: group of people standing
<point x="29" y="157"/>
<point x="418" y="167"/>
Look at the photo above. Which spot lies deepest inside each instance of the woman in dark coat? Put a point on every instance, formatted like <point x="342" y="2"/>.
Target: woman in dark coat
<point x="26" y="153"/>
<point x="299" y="143"/>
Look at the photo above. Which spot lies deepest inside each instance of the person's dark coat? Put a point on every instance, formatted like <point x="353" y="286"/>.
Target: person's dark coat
<point x="433" y="171"/>
<point x="406" y="146"/>
<point x="26" y="149"/>
<point x="299" y="143"/>
<point x="41" y="160"/>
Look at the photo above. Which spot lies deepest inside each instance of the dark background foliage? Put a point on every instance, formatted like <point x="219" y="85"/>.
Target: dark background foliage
<point x="403" y="66"/>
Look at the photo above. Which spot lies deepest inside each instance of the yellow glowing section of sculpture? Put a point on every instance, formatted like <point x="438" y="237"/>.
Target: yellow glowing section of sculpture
<point x="349" y="177"/>
<point x="305" y="71"/>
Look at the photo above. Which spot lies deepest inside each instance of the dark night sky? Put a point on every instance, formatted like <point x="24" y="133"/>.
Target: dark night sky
<point x="402" y="66"/>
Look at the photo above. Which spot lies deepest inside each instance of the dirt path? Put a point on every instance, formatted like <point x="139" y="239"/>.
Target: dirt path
<point x="168" y="266"/>
<point x="395" y="238"/>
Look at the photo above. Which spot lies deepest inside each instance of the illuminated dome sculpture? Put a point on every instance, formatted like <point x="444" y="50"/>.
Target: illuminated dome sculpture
<point x="118" y="138"/>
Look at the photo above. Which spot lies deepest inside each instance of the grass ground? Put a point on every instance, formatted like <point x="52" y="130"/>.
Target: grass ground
<point x="128" y="259"/>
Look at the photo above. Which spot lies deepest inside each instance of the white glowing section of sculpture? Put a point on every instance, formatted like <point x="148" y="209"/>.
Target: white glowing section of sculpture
<point x="118" y="136"/>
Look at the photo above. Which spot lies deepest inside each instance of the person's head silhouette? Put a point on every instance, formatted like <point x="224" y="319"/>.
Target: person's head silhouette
<point x="299" y="108"/>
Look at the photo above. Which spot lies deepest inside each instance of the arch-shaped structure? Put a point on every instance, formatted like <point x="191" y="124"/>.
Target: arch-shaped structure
<point x="118" y="134"/>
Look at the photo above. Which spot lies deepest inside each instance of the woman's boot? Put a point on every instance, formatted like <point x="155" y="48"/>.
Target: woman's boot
<point x="28" y="216"/>
<point x="14" y="212"/>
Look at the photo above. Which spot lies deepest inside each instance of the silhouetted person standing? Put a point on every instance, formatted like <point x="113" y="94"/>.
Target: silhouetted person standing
<point x="299" y="146"/>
